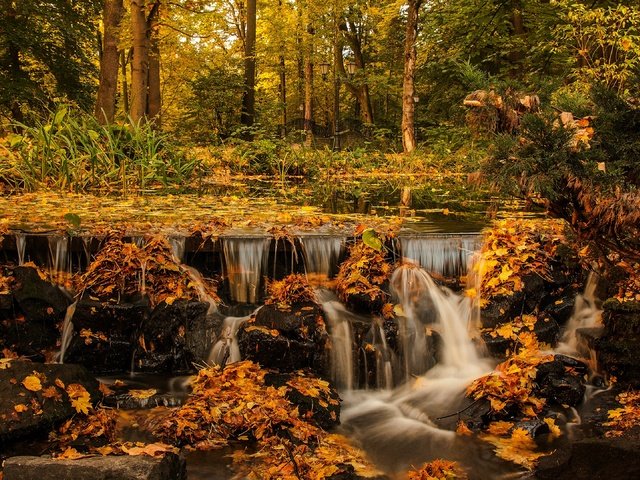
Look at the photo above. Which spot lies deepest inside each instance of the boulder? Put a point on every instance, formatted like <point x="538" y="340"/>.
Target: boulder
<point x="113" y="335"/>
<point x="174" y="336"/>
<point x="25" y="412"/>
<point x="562" y="381"/>
<point x="39" y="300"/>
<point x="546" y="330"/>
<point x="169" y="467"/>
<point x="286" y="339"/>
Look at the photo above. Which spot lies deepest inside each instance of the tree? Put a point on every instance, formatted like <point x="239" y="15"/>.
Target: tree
<point x="109" y="61"/>
<point x="249" y="97"/>
<point x="140" y="61"/>
<point x="408" y="89"/>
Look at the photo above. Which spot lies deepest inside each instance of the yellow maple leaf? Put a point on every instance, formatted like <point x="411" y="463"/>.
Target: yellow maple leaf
<point x="80" y="398"/>
<point x="32" y="383"/>
<point x="143" y="394"/>
<point x="553" y="428"/>
<point x="21" y="407"/>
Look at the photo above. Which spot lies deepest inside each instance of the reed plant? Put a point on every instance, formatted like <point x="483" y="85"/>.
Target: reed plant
<point x="71" y="151"/>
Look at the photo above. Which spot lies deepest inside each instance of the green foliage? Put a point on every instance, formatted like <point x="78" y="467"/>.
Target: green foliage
<point x="46" y="53"/>
<point x="70" y="151"/>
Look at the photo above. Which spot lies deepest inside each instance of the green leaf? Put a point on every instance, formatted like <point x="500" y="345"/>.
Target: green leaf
<point x="370" y="239"/>
<point x="73" y="219"/>
<point x="59" y="117"/>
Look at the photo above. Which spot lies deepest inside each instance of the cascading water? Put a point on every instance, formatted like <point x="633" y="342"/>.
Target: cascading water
<point x="178" y="246"/>
<point x="446" y="255"/>
<point x="59" y="251"/>
<point x="244" y="260"/>
<point x="226" y="350"/>
<point x="321" y="254"/>
<point x="67" y="331"/>
<point x="384" y="356"/>
<point x="403" y="418"/>
<point x="21" y="247"/>
<point x="586" y="314"/>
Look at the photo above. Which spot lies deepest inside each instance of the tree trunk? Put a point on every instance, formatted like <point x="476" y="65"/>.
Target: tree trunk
<point x="308" y="97"/>
<point x="359" y="91"/>
<point x="140" y="61"/>
<point x="106" y="100"/>
<point x="125" y="83"/>
<point x="283" y="96"/>
<point x="408" y="88"/>
<point x="249" y="97"/>
<point x="154" y="101"/>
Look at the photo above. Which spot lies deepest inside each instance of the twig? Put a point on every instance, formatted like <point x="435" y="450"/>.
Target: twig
<point x="460" y="411"/>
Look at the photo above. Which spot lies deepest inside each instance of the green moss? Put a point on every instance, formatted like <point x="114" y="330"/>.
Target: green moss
<point x="615" y="305"/>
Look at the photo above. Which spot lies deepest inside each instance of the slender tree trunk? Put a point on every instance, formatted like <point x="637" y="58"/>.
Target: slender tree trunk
<point x="249" y="97"/>
<point x="308" y="87"/>
<point x="408" y="88"/>
<point x="125" y="83"/>
<point x="140" y="61"/>
<point x="14" y="67"/>
<point x="154" y="101"/>
<point x="283" y="96"/>
<point x="517" y="31"/>
<point x="106" y="100"/>
<point x="359" y="90"/>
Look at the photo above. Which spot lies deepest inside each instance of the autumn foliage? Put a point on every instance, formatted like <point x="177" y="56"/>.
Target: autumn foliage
<point x="289" y="291"/>
<point x="438" y="470"/>
<point x="626" y="417"/>
<point x="363" y="273"/>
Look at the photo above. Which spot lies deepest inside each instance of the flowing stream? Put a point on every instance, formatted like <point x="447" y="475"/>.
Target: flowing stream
<point x="245" y="261"/>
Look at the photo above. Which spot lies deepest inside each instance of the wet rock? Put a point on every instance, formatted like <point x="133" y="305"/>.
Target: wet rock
<point x="361" y="303"/>
<point x="15" y="425"/>
<point x="561" y="381"/>
<point x="560" y="307"/>
<point x="169" y="467"/>
<point x="506" y="307"/>
<point x="6" y="305"/>
<point x="173" y="337"/>
<point x="114" y="333"/>
<point x="39" y="300"/>
<point x="30" y="339"/>
<point x="547" y="331"/>
<point x="324" y="412"/>
<point x="619" y="346"/>
<point x="286" y="339"/>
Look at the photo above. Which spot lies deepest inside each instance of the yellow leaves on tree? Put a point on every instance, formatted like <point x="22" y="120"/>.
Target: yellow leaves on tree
<point x="512" y="383"/>
<point x="514" y="248"/>
<point x="79" y="397"/>
<point x="363" y="273"/>
<point x="438" y="470"/>
<point x="626" y="417"/>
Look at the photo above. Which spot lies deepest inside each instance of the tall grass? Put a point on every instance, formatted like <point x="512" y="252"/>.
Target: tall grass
<point x="71" y="151"/>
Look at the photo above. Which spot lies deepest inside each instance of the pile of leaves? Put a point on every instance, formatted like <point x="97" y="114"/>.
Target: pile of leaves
<point x="629" y="287"/>
<point x="6" y="281"/>
<point x="363" y="273"/>
<point x="626" y="417"/>
<point x="513" y="249"/>
<point x="293" y="289"/>
<point x="511" y="387"/>
<point x="234" y="404"/>
<point x="515" y="444"/>
<point x="438" y="470"/>
<point x="511" y="330"/>
<point x="124" y="269"/>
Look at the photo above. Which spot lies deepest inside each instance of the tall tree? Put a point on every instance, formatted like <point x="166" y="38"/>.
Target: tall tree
<point x="109" y="61"/>
<point x="408" y="88"/>
<point x="154" y="99"/>
<point x="249" y="97"/>
<point x="140" y="61"/>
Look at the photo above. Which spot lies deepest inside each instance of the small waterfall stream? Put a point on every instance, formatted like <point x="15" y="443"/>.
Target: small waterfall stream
<point x="67" y="331"/>
<point x="21" y="247"/>
<point x="226" y="350"/>
<point x="245" y="260"/>
<point x="321" y="254"/>
<point x="59" y="253"/>
<point x="446" y="255"/>
<point x="178" y="246"/>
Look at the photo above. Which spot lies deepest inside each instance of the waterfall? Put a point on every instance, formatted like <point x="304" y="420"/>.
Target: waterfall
<point x="403" y="417"/>
<point x="446" y="255"/>
<point x="342" y="341"/>
<point x="226" y="350"/>
<point x="178" y="245"/>
<point x="198" y="282"/>
<point x="21" y="247"/>
<point x="244" y="260"/>
<point x="384" y="356"/>
<point x="58" y="249"/>
<point x="586" y="314"/>
<point x="67" y="331"/>
<point x="321" y="254"/>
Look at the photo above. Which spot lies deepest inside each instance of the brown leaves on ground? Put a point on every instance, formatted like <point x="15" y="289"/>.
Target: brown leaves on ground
<point x="512" y="249"/>
<point x="234" y="404"/>
<point x="512" y="383"/>
<point x="438" y="470"/>
<point x="290" y="290"/>
<point x="123" y="269"/>
<point x="626" y="417"/>
<point x="363" y="273"/>
<point x="518" y="448"/>
<point x="79" y="397"/>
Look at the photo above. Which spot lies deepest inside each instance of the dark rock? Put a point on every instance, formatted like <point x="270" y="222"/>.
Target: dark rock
<point x="29" y="338"/>
<point x="169" y="467"/>
<point x="560" y="308"/>
<point x="324" y="412"/>
<point x="619" y="346"/>
<point x="14" y="425"/>
<point x="39" y="300"/>
<point x="115" y="328"/>
<point x="593" y="459"/>
<point x="362" y="303"/>
<point x="546" y="331"/>
<point x="174" y="336"/>
<point x="561" y="381"/>
<point x="286" y="340"/>
<point x="6" y="305"/>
